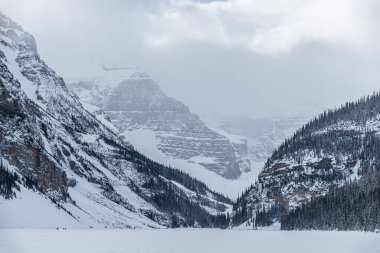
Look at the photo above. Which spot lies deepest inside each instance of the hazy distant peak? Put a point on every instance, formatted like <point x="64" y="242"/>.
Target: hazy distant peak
<point x="6" y="22"/>
<point x="140" y="75"/>
<point x="14" y="32"/>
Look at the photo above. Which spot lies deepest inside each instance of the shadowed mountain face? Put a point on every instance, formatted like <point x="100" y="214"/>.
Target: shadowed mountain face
<point x="137" y="104"/>
<point x="67" y="167"/>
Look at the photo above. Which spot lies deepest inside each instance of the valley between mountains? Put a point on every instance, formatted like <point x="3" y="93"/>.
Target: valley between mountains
<point x="115" y="151"/>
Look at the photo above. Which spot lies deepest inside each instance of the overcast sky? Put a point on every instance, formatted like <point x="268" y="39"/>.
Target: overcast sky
<point x="257" y="58"/>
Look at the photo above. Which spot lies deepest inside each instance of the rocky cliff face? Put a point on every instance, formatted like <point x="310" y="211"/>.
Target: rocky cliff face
<point x="73" y="163"/>
<point x="137" y="104"/>
<point x="334" y="148"/>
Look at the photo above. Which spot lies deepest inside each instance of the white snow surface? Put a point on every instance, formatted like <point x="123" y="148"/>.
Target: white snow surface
<point x="33" y="210"/>
<point x="30" y="209"/>
<point x="186" y="241"/>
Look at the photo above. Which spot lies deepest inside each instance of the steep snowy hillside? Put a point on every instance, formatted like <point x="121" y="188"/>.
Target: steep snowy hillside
<point x="334" y="148"/>
<point x="61" y="166"/>
<point x="162" y="127"/>
<point x="353" y="206"/>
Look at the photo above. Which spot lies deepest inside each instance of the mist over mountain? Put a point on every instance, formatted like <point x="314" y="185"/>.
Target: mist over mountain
<point x="312" y="68"/>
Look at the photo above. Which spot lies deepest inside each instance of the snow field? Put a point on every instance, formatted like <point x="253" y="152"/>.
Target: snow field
<point x="186" y="241"/>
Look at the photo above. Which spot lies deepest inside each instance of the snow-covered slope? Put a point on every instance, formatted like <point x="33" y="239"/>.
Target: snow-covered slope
<point x="162" y="127"/>
<point x="65" y="159"/>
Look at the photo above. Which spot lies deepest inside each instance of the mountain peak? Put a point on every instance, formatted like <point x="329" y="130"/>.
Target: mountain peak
<point x="73" y="163"/>
<point x="140" y="75"/>
<point x="138" y="104"/>
<point x="7" y="23"/>
<point x="14" y="32"/>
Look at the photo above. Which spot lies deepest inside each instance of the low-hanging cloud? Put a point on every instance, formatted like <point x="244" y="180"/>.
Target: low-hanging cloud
<point x="276" y="26"/>
<point x="309" y="55"/>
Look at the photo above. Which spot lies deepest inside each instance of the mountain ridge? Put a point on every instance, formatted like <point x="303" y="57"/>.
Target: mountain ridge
<point x="74" y="165"/>
<point x="164" y="128"/>
<point x="331" y="150"/>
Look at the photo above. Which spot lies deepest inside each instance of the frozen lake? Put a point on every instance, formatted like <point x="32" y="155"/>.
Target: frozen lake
<point x="185" y="240"/>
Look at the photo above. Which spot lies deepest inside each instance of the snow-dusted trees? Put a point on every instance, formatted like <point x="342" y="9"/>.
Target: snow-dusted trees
<point x="325" y="153"/>
<point x="8" y="182"/>
<point x="168" y="198"/>
<point x="354" y="206"/>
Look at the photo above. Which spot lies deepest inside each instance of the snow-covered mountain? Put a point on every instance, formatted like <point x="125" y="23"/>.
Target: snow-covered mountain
<point x="336" y="147"/>
<point x="162" y="127"/>
<point x="62" y="166"/>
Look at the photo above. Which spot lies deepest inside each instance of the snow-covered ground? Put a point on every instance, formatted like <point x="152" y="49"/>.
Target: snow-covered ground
<point x="186" y="240"/>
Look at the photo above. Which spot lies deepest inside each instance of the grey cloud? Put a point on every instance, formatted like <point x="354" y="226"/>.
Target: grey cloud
<point x="76" y="37"/>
